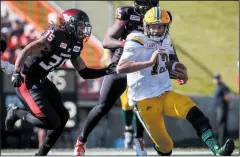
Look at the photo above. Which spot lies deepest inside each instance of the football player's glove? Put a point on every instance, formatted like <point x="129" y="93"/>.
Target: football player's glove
<point x="17" y="79"/>
<point x="111" y="69"/>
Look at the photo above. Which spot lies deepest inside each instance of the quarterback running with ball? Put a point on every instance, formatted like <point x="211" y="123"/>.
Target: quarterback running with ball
<point x="150" y="92"/>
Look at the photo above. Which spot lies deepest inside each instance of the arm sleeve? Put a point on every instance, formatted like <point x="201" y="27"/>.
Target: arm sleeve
<point x="172" y="51"/>
<point x="88" y="73"/>
<point x="7" y="67"/>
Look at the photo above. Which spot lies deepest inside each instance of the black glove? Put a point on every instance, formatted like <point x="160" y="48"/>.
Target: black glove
<point x="111" y="69"/>
<point x="17" y="79"/>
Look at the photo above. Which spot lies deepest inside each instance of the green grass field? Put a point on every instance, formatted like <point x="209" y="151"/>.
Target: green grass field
<point x="205" y="31"/>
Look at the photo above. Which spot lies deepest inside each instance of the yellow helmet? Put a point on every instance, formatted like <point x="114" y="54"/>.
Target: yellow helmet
<point x="156" y="15"/>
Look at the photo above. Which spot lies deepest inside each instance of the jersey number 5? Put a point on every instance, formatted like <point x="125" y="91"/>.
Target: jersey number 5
<point x="155" y="70"/>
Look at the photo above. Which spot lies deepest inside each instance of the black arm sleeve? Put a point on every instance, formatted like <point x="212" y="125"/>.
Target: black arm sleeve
<point x="174" y="56"/>
<point x="88" y="73"/>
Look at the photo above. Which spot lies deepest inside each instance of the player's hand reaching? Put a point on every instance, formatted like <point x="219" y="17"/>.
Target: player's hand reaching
<point x="154" y="57"/>
<point x="111" y="69"/>
<point x="17" y="79"/>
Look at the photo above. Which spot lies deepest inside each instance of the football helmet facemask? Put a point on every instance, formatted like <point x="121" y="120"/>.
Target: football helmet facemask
<point x="76" y="23"/>
<point x="156" y="18"/>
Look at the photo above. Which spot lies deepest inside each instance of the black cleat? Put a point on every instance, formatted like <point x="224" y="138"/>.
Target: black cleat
<point x="10" y="118"/>
<point x="227" y="149"/>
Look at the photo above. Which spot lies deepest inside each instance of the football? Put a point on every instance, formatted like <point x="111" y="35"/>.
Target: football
<point x="172" y="65"/>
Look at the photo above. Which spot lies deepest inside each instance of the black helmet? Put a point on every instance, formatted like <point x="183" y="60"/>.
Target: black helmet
<point x="142" y="6"/>
<point x="76" y="23"/>
<point x="216" y="76"/>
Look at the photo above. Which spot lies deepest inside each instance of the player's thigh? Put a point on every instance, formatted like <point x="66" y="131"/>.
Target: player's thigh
<point x="176" y="105"/>
<point x="149" y="113"/>
<point x="112" y="88"/>
<point x="55" y="99"/>
<point x="31" y="93"/>
<point x="124" y="101"/>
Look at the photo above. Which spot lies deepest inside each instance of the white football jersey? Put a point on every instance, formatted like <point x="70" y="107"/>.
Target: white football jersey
<point x="152" y="81"/>
<point x="7" y="67"/>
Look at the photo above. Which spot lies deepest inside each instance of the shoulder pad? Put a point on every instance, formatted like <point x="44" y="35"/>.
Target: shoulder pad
<point x="136" y="37"/>
<point x="167" y="41"/>
<point x="54" y="35"/>
<point x="123" y="12"/>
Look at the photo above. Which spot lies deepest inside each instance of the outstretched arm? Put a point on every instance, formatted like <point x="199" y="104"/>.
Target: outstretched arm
<point x="128" y="66"/>
<point x="88" y="73"/>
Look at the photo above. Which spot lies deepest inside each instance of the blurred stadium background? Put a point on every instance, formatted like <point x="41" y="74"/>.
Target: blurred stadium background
<point x="206" y="37"/>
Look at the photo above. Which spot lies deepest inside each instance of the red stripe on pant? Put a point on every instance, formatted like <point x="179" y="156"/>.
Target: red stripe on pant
<point x="29" y="100"/>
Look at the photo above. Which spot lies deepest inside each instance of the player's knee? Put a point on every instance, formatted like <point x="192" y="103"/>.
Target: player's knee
<point x="126" y="107"/>
<point x="189" y="104"/>
<point x="164" y="149"/>
<point x="56" y="123"/>
<point x="49" y="124"/>
<point x="198" y="120"/>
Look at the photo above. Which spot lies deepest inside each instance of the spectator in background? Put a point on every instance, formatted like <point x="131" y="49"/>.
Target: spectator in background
<point x="28" y="35"/>
<point x="222" y="101"/>
<point x="17" y="28"/>
<point x="5" y="22"/>
<point x="41" y="134"/>
<point x="13" y="43"/>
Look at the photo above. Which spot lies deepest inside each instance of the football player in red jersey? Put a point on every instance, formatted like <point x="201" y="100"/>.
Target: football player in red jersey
<point x="56" y="45"/>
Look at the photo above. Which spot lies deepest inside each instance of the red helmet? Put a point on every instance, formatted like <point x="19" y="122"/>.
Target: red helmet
<point x="76" y="23"/>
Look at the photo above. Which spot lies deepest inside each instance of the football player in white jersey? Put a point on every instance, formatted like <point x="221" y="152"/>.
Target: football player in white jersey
<point x="149" y="89"/>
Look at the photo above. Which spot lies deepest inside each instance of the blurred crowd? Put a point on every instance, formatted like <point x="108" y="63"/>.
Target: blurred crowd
<point x="17" y="33"/>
